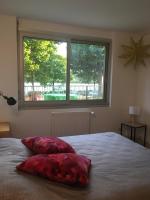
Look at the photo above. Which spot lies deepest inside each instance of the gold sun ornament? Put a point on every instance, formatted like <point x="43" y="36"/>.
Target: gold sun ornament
<point x="135" y="53"/>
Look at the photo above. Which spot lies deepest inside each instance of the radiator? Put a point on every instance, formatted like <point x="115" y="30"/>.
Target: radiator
<point x="71" y="123"/>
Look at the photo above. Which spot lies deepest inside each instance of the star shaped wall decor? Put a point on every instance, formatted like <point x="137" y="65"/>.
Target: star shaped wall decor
<point x="135" y="53"/>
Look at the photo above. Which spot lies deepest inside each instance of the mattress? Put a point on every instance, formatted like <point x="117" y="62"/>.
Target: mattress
<point x="120" y="171"/>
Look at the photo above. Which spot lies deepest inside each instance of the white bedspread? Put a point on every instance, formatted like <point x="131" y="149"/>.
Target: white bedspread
<point x="120" y="171"/>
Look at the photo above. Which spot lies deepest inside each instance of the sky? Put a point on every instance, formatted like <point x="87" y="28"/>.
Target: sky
<point x="62" y="49"/>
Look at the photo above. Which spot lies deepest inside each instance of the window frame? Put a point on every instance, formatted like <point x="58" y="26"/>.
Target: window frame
<point x="22" y="104"/>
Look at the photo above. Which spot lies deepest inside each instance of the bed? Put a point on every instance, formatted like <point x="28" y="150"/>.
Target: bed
<point x="120" y="171"/>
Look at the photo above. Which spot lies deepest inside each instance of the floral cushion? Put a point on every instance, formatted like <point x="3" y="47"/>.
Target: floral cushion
<point x="68" y="168"/>
<point x="47" y="145"/>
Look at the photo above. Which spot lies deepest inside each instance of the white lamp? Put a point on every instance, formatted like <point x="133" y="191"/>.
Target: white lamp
<point x="134" y="111"/>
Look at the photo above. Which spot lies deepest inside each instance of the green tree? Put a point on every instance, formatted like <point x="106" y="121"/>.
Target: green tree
<point x="36" y="54"/>
<point x="42" y="63"/>
<point x="88" y="62"/>
<point x="54" y="70"/>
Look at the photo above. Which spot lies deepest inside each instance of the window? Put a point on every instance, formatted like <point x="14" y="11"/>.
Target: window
<point x="58" y="72"/>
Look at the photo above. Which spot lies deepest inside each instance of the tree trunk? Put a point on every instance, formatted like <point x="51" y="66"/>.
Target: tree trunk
<point x="32" y="82"/>
<point x="53" y="86"/>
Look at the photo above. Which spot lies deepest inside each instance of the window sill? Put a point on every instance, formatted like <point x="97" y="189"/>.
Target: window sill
<point x="62" y="104"/>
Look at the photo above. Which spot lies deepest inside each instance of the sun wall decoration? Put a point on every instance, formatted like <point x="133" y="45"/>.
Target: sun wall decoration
<point x="135" y="53"/>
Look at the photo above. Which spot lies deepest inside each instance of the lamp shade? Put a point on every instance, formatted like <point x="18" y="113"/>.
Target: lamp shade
<point x="134" y="110"/>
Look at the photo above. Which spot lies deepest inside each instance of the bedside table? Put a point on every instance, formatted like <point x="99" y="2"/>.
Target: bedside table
<point x="133" y="127"/>
<point x="5" y="129"/>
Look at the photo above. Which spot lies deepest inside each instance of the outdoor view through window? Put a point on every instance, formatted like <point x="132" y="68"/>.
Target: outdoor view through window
<point x="63" y="71"/>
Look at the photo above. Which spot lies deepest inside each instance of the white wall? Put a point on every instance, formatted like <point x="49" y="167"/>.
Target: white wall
<point x="143" y="91"/>
<point x="8" y="63"/>
<point x="37" y="122"/>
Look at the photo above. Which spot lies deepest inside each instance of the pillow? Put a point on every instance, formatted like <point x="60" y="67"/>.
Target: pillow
<point x="47" y="145"/>
<point x="68" y="168"/>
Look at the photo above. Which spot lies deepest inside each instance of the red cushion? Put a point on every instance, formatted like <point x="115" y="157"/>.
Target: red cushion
<point x="66" y="168"/>
<point x="47" y="145"/>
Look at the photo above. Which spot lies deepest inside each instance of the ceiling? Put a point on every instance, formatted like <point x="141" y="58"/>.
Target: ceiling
<point x="124" y="15"/>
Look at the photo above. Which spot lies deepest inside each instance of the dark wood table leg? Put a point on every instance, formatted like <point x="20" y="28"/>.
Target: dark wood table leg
<point x="134" y="133"/>
<point x="121" y="128"/>
<point x="145" y="136"/>
<point x="131" y="134"/>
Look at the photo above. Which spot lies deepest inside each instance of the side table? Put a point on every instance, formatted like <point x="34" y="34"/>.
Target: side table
<point x="133" y="127"/>
<point x="5" y="129"/>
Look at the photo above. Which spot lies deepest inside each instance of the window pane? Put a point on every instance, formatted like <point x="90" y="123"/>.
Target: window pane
<point x="45" y="64"/>
<point x="87" y="71"/>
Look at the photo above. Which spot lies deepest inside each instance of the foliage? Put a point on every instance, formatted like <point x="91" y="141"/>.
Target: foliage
<point x="88" y="62"/>
<point x="52" y="71"/>
<point x="42" y="63"/>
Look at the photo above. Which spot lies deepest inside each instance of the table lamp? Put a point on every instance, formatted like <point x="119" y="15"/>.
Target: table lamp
<point x="10" y="100"/>
<point x="134" y="111"/>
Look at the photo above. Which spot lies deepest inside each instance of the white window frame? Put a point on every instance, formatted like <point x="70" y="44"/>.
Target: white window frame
<point x="66" y="103"/>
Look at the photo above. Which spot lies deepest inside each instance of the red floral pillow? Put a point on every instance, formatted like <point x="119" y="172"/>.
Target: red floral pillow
<point x="68" y="168"/>
<point x="47" y="145"/>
